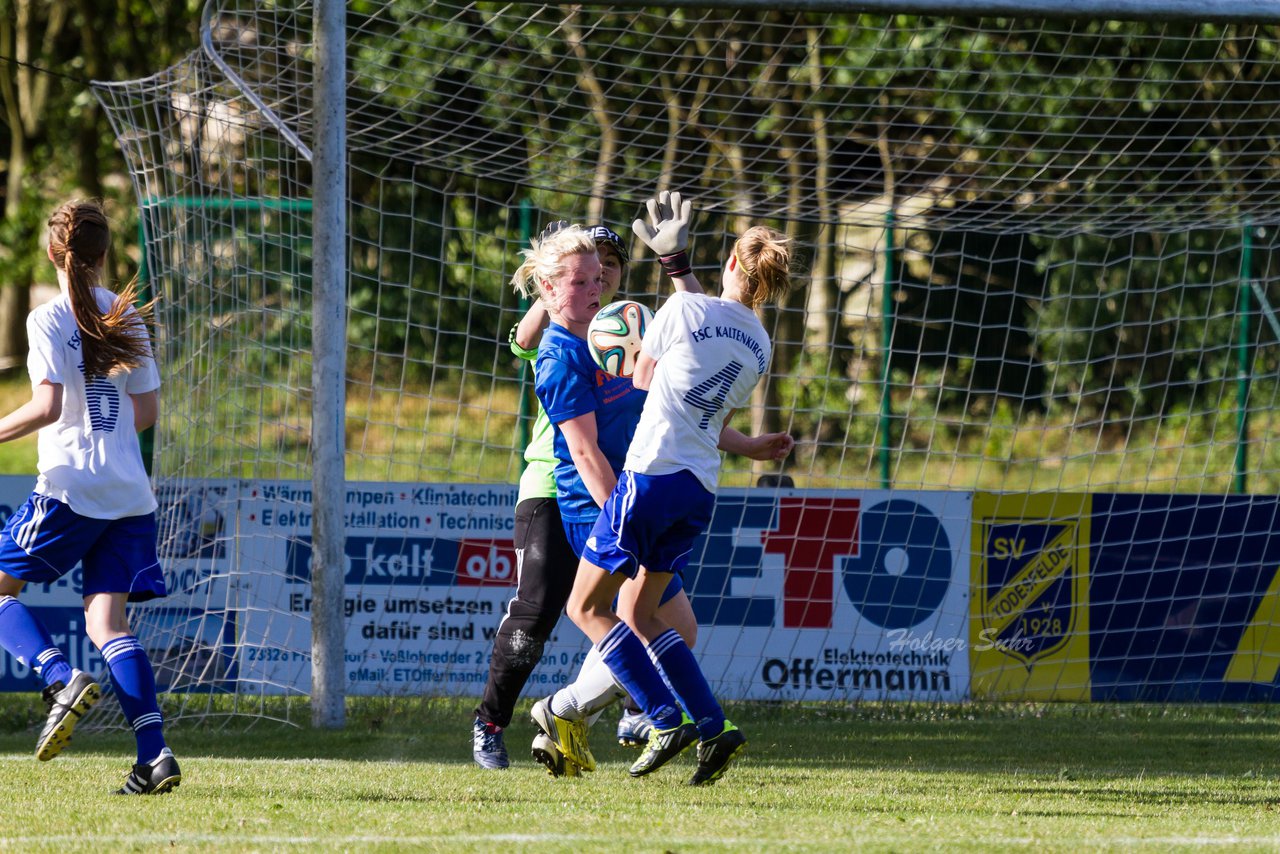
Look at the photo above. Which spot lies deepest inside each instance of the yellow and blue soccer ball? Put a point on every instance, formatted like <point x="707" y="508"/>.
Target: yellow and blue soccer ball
<point x="614" y="336"/>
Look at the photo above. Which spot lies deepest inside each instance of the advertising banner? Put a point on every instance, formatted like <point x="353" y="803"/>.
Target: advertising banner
<point x="1184" y="597"/>
<point x="798" y="594"/>
<point x="429" y="570"/>
<point x="806" y="594"/>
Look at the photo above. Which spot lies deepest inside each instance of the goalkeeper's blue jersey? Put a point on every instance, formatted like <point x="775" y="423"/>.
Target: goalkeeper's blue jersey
<point x="569" y="384"/>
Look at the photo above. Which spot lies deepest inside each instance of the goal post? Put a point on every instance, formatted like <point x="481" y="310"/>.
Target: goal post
<point x="1030" y="362"/>
<point x="329" y="369"/>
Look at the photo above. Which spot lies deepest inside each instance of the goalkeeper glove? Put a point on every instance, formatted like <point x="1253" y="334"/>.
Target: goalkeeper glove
<point x="668" y="235"/>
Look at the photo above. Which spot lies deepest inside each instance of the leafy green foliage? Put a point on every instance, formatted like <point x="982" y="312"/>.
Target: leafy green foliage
<point x="1071" y="200"/>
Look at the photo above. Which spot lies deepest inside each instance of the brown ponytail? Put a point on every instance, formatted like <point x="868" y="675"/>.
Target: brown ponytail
<point x="78" y="239"/>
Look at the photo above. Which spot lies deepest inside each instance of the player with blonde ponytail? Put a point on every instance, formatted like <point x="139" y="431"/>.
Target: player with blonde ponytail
<point x="94" y="385"/>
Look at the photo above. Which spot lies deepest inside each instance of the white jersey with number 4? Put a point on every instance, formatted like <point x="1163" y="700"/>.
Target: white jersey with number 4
<point x="711" y="352"/>
<point x="89" y="458"/>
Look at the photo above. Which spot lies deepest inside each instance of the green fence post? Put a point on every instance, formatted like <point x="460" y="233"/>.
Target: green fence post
<point x="1243" y="365"/>
<point x="524" y="418"/>
<point x="886" y="344"/>
<point x="146" y="441"/>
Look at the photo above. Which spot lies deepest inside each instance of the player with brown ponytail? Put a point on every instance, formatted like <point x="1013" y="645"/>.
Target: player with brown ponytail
<point x="93" y="386"/>
<point x="79" y="237"/>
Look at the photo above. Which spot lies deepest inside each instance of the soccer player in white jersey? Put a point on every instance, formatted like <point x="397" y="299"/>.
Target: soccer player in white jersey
<point x="700" y="360"/>
<point x="94" y="385"/>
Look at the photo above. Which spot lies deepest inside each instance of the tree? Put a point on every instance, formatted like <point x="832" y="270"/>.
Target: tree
<point x="29" y="34"/>
<point x="58" y="142"/>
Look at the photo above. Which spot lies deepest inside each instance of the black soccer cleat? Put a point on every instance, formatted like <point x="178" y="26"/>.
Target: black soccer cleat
<point x="67" y="704"/>
<point x="664" y="745"/>
<point x="715" y="754"/>
<point x="157" y="777"/>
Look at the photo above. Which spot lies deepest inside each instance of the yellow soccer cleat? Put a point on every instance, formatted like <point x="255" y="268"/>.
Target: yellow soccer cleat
<point x="569" y="736"/>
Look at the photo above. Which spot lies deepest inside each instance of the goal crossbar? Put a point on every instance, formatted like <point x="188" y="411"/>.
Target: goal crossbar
<point x="1237" y="11"/>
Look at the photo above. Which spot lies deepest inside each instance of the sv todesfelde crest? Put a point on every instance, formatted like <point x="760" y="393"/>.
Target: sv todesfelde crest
<point x="1027" y="600"/>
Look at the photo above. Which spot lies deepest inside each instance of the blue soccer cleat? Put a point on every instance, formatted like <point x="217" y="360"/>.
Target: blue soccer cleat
<point x="634" y="729"/>
<point x="488" y="748"/>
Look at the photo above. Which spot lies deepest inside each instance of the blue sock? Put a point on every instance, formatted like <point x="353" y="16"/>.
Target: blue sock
<point x="26" y="639"/>
<point x="631" y="666"/>
<point x="135" y="686"/>
<point x="676" y="661"/>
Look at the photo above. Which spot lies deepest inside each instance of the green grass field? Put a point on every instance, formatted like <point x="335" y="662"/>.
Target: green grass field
<point x="18" y="456"/>
<point x="814" y="778"/>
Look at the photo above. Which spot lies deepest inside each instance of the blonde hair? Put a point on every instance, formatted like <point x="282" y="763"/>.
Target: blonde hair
<point x="79" y="237"/>
<point x="545" y="261"/>
<point x="764" y="259"/>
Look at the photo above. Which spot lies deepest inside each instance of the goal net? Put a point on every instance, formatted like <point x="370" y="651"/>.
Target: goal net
<point x="1030" y="364"/>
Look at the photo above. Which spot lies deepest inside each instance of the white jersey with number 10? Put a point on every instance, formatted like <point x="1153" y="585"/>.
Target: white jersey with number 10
<point x="711" y="352"/>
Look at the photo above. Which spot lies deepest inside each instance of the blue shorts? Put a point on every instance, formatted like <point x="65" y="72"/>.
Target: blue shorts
<point x="45" y="540"/>
<point x="650" y="521"/>
<point x="576" y="533"/>
<point x="579" y="532"/>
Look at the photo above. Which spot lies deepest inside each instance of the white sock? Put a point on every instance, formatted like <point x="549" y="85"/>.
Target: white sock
<point x="591" y="692"/>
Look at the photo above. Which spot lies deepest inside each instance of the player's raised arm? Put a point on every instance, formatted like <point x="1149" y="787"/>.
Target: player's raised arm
<point x="527" y="334"/>
<point x="667" y="234"/>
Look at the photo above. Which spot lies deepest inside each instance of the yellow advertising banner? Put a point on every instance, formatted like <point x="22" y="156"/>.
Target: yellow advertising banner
<point x="1029" y="613"/>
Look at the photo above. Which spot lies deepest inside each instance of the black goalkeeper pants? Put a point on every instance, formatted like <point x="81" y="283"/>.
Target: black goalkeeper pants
<point x="545" y="569"/>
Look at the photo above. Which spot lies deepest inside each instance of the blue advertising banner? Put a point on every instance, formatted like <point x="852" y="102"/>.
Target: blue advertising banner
<point x="798" y="594"/>
<point x="1183" y="597"/>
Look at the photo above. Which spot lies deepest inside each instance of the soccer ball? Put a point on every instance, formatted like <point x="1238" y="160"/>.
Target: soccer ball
<point x="614" y="336"/>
